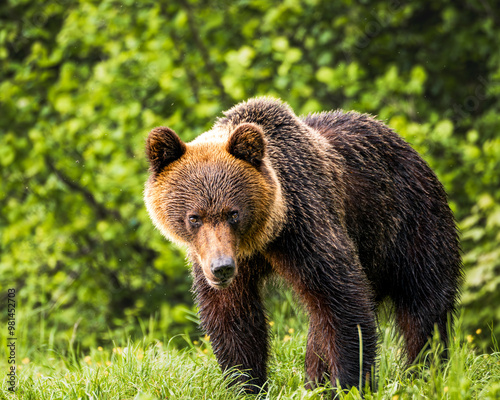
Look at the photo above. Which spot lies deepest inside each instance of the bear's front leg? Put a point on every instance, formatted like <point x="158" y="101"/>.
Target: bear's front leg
<point x="235" y="320"/>
<point x="341" y="344"/>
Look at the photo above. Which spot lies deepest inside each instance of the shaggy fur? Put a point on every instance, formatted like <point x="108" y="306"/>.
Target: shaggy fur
<point x="336" y="203"/>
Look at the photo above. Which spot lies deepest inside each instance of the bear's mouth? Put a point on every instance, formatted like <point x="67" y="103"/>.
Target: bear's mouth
<point x="219" y="284"/>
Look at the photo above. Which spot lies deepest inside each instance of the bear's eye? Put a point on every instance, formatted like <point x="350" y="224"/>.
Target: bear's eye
<point x="233" y="217"/>
<point x="195" y="220"/>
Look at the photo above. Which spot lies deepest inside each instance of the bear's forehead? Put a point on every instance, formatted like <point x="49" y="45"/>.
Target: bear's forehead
<point x="208" y="189"/>
<point x="209" y="177"/>
<point x="205" y="167"/>
<point x="210" y="164"/>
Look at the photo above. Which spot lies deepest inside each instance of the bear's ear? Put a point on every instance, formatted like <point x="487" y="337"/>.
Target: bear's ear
<point x="163" y="146"/>
<point x="247" y="143"/>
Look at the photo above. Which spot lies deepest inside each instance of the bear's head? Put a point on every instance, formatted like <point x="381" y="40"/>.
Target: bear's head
<point x="217" y="195"/>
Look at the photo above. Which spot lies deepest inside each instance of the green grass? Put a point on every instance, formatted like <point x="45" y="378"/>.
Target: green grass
<point x="154" y="370"/>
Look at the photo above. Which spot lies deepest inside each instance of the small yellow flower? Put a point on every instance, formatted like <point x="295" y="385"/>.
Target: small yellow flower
<point x="205" y="351"/>
<point x="445" y="389"/>
<point x="478" y="332"/>
<point x="271" y="323"/>
<point x="470" y="338"/>
<point x="99" y="348"/>
<point x="117" y="350"/>
<point x="287" y="338"/>
<point x="291" y="330"/>
<point x="206" y="338"/>
<point x="25" y="360"/>
<point x="140" y="356"/>
<point x="106" y="373"/>
<point x="99" y="364"/>
<point x="108" y="363"/>
<point x="88" y="360"/>
<point x="196" y="343"/>
<point x="19" y="366"/>
<point x="395" y="397"/>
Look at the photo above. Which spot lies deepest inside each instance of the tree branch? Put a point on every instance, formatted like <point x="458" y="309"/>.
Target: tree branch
<point x="101" y="211"/>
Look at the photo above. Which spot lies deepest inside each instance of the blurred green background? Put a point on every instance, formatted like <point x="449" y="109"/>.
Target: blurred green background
<point x="83" y="82"/>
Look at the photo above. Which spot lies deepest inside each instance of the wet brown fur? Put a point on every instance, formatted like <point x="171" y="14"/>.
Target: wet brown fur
<point x="337" y="204"/>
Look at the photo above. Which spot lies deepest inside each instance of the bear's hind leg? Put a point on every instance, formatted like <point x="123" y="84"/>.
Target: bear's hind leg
<point x="425" y="291"/>
<point x="417" y="324"/>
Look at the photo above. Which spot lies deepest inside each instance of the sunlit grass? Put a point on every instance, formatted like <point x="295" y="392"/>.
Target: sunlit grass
<point x="156" y="370"/>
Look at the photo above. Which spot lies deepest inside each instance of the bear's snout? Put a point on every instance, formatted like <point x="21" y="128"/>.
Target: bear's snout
<point x="223" y="268"/>
<point x="216" y="250"/>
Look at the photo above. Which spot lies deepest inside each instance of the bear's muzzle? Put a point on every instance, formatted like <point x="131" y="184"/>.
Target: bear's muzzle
<point x="223" y="268"/>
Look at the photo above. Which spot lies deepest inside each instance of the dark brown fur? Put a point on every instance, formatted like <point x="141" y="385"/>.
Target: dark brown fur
<point x="335" y="203"/>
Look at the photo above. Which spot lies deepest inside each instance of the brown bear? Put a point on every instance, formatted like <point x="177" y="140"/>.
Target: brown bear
<point x="336" y="203"/>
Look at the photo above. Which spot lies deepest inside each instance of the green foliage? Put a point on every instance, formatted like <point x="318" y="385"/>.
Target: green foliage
<point x="81" y="84"/>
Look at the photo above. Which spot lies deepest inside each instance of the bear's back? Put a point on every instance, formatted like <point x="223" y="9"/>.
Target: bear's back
<point x="389" y="187"/>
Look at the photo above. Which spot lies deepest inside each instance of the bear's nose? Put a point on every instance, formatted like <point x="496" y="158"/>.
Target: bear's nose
<point x="222" y="268"/>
